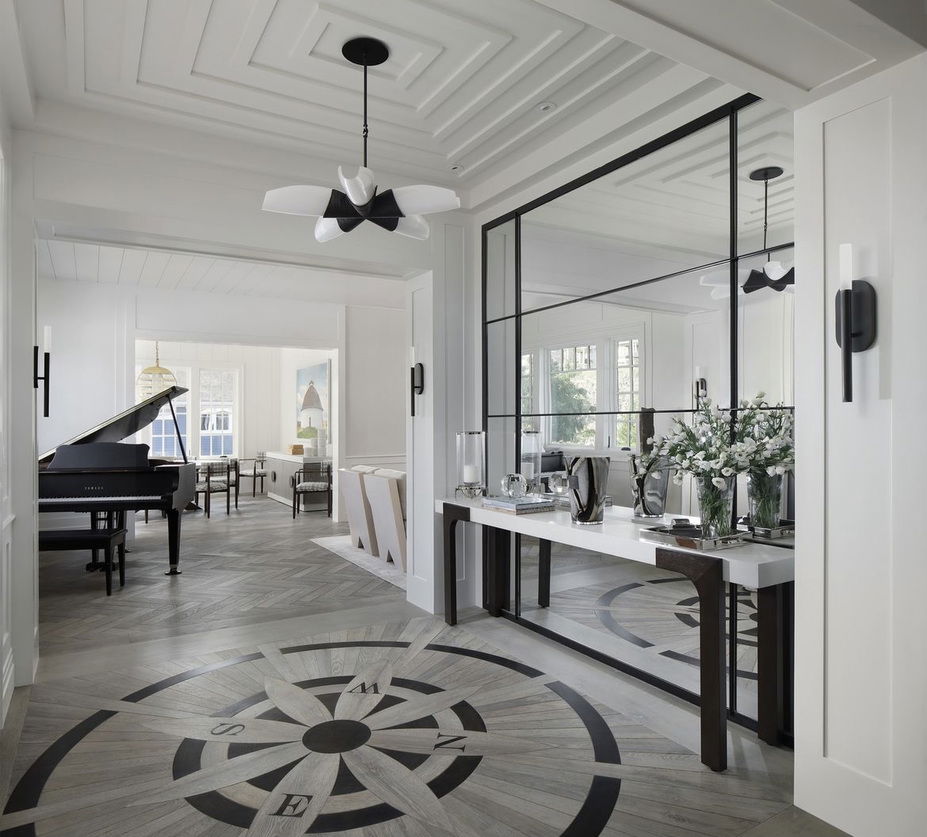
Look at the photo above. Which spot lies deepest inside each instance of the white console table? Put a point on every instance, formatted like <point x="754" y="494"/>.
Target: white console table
<point x="765" y="568"/>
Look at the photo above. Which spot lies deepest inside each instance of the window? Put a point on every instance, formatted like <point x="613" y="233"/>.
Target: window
<point x="573" y="390"/>
<point x="217" y="393"/>
<point x="163" y="441"/>
<point x="627" y="391"/>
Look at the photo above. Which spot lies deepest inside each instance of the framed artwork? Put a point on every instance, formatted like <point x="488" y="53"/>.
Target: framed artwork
<point x="313" y="406"/>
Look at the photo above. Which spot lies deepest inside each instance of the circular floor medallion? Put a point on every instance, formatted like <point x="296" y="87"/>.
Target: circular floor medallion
<point x="382" y="731"/>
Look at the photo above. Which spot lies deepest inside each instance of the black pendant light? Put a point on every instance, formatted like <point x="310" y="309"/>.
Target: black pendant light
<point x="773" y="275"/>
<point x="397" y="210"/>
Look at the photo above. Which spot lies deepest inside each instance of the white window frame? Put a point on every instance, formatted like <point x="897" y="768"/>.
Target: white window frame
<point x="194" y="408"/>
<point x="606" y="343"/>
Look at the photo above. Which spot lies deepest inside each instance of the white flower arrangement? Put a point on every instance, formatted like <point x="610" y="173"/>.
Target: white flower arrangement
<point x="705" y="449"/>
<point x="764" y="437"/>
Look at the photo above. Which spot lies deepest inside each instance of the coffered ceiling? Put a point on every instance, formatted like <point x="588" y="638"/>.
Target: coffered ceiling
<point x="471" y="84"/>
<point x="485" y="95"/>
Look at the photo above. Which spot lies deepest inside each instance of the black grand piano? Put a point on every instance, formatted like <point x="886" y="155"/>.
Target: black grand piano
<point x="96" y="472"/>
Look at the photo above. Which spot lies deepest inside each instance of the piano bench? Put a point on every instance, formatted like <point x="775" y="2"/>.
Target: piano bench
<point x="57" y="540"/>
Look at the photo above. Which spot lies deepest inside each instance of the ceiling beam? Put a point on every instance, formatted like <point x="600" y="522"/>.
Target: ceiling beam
<point x="15" y="84"/>
<point x="727" y="56"/>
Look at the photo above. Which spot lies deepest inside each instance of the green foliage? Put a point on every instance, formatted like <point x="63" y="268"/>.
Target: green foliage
<point x="567" y="397"/>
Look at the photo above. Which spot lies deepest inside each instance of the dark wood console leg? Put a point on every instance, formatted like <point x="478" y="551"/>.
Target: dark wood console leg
<point x="173" y="541"/>
<point x="706" y="574"/>
<point x="500" y="553"/>
<point x="543" y="573"/>
<point x="452" y="515"/>
<point x="773" y="663"/>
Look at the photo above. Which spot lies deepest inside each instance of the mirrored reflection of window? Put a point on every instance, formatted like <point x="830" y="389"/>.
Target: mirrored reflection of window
<point x="627" y="390"/>
<point x="573" y="386"/>
<point x="528" y="385"/>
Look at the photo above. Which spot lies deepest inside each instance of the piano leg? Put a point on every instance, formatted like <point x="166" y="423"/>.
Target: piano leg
<point x="94" y="564"/>
<point x="173" y="540"/>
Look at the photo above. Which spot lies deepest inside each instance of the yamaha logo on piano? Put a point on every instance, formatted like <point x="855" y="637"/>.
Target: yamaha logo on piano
<point x="93" y="488"/>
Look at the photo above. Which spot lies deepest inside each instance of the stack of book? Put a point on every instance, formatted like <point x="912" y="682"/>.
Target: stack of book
<point x="520" y="505"/>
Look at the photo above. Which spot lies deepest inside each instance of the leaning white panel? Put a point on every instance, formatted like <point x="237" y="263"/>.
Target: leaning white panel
<point x="386" y="508"/>
<point x="357" y="508"/>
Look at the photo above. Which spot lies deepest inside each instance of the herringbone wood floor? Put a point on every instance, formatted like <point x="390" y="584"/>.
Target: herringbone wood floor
<point x="255" y="565"/>
<point x="255" y="585"/>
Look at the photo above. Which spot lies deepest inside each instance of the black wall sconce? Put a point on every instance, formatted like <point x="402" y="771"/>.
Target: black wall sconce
<point x="418" y="383"/>
<point x="36" y="377"/>
<point x="855" y="308"/>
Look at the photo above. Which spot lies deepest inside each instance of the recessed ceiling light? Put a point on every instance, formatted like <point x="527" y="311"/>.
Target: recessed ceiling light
<point x="457" y="168"/>
<point x="547" y="107"/>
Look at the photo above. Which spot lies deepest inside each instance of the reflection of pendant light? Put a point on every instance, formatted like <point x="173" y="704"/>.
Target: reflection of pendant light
<point x="773" y="275"/>
<point x="153" y="379"/>
<point x="397" y="210"/>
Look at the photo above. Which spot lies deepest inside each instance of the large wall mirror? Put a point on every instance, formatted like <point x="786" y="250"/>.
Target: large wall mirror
<point x="617" y="293"/>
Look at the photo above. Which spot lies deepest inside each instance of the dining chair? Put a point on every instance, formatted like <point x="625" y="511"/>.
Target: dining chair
<point x="256" y="472"/>
<point x="214" y="478"/>
<point x="313" y="478"/>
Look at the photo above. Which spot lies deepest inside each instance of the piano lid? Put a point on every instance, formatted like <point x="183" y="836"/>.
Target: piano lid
<point x="126" y="424"/>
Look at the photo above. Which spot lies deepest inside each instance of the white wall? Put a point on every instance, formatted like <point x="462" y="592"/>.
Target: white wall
<point x="376" y="376"/>
<point x="6" y="514"/>
<point x="860" y="569"/>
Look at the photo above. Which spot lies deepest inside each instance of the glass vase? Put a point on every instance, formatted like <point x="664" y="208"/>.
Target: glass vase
<point x="471" y="447"/>
<point x="764" y="495"/>
<point x="588" y="483"/>
<point x="715" y="504"/>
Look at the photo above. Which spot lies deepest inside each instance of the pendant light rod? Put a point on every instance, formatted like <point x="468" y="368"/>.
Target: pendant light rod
<point x="365" y="111"/>
<point x="365" y="52"/>
<point x="766" y="174"/>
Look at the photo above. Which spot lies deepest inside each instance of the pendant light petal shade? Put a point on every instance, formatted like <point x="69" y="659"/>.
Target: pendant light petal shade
<point x="297" y="200"/>
<point x="397" y="210"/>
<point x="413" y="226"/>
<point x="423" y="200"/>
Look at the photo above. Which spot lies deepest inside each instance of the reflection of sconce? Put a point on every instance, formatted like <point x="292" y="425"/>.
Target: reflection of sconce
<point x="699" y="386"/>
<point x="855" y="306"/>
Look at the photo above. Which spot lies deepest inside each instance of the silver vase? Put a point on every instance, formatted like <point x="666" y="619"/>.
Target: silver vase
<point x="588" y="481"/>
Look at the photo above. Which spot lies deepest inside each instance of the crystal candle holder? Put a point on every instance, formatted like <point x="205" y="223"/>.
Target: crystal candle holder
<point x="471" y="456"/>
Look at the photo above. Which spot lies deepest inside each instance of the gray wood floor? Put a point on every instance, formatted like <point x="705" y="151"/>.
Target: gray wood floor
<point x="274" y="688"/>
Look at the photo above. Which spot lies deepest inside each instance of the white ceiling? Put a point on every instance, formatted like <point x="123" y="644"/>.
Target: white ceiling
<point x="462" y="85"/>
<point x="140" y="268"/>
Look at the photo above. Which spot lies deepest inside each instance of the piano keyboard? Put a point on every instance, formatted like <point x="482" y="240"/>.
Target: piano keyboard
<point x="124" y="498"/>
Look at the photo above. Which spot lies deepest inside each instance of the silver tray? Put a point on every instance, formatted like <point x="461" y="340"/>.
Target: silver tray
<point x="690" y="537"/>
<point x="785" y="529"/>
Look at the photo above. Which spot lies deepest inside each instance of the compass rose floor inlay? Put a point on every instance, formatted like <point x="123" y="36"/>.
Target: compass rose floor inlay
<point x="394" y="729"/>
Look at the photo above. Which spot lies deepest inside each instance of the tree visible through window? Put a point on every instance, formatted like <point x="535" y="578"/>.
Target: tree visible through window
<point x="572" y="375"/>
